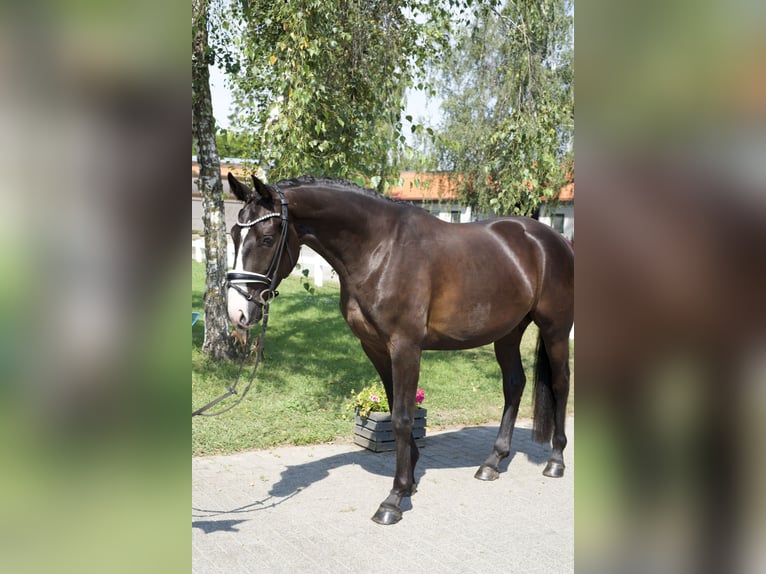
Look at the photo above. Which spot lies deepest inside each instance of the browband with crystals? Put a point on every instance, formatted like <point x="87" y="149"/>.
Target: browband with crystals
<point x="262" y="218"/>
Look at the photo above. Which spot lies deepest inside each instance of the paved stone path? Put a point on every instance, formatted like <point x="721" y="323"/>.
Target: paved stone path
<point x="308" y="509"/>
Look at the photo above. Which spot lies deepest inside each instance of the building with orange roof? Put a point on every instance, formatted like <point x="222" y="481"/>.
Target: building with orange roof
<point x="561" y="216"/>
<point x="437" y="193"/>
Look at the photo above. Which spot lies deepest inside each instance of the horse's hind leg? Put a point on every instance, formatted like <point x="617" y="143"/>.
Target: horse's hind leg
<point x="551" y="395"/>
<point x="509" y="357"/>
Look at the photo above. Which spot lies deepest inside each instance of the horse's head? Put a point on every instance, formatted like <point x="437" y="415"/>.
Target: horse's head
<point x="265" y="247"/>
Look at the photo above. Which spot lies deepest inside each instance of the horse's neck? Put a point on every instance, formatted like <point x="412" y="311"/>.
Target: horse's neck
<point x="338" y="225"/>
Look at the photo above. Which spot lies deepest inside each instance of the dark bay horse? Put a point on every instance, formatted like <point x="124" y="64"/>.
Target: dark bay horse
<point x="411" y="282"/>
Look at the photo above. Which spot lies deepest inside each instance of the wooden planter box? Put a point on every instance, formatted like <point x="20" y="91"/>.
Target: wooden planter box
<point x="375" y="431"/>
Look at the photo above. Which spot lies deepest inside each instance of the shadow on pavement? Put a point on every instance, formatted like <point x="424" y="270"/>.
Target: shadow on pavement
<point x="208" y="526"/>
<point x="467" y="448"/>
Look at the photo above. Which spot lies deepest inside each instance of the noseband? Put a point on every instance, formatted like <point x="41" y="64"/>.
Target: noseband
<point x="270" y="279"/>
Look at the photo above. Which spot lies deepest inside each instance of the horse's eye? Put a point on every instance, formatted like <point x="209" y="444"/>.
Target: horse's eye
<point x="267" y="240"/>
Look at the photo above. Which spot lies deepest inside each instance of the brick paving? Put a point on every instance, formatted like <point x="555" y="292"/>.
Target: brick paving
<point x="308" y="508"/>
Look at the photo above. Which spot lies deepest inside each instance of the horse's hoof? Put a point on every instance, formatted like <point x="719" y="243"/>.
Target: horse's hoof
<point x="486" y="473"/>
<point x="554" y="469"/>
<point x="387" y="515"/>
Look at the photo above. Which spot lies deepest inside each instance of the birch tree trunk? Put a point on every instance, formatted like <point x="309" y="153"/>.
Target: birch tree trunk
<point x="218" y="343"/>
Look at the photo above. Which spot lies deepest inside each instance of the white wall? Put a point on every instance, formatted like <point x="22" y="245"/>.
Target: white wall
<point x="444" y="212"/>
<point x="565" y="209"/>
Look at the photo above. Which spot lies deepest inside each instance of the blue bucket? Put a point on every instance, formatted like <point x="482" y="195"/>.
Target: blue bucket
<point x="195" y="317"/>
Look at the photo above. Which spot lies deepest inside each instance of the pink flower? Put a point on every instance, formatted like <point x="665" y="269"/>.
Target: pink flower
<point x="375" y="398"/>
<point x="419" y="396"/>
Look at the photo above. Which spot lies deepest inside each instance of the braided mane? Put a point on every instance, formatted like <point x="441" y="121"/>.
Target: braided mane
<point x="329" y="182"/>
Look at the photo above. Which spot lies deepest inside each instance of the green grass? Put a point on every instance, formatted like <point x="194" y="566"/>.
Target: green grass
<point x="313" y="362"/>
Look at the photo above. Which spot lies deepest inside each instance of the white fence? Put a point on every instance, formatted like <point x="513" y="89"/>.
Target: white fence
<point x="319" y="270"/>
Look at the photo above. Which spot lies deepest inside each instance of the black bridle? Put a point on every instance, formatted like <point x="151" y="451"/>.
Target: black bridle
<point x="270" y="279"/>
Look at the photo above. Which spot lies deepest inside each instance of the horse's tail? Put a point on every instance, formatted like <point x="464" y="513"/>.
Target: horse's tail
<point x="544" y="404"/>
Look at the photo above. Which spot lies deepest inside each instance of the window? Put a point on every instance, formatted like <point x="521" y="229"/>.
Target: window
<point x="455" y="217"/>
<point x="557" y="222"/>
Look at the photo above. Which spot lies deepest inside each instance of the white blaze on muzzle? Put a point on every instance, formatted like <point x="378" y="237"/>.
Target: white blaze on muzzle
<point x="238" y="306"/>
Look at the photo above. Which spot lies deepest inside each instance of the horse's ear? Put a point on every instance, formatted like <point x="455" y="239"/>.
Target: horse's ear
<point x="239" y="189"/>
<point x="261" y="188"/>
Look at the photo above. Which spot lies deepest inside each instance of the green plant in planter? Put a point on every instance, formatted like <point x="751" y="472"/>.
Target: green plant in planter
<point x="372" y="399"/>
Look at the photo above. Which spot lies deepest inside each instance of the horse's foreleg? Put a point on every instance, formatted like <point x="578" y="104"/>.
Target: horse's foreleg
<point x="405" y="362"/>
<point x="382" y="363"/>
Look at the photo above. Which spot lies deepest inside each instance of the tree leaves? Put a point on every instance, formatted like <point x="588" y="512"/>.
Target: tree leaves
<point x="322" y="82"/>
<point x="509" y="105"/>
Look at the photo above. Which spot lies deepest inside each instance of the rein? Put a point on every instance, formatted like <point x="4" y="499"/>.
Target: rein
<point x="270" y="279"/>
<point x="233" y="389"/>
